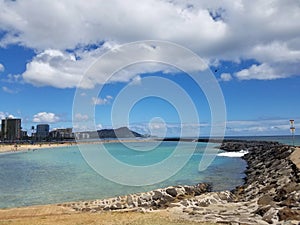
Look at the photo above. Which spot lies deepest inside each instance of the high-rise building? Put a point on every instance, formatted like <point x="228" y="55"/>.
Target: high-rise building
<point x="24" y="135"/>
<point x="60" y="134"/>
<point x="42" y="131"/>
<point x="11" y="129"/>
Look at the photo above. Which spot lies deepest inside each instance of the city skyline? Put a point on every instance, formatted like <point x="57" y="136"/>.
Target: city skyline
<point x="12" y="131"/>
<point x="252" y="50"/>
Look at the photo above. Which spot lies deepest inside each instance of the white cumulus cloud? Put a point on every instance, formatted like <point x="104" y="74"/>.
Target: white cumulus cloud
<point x="226" y="77"/>
<point x="56" y="68"/>
<point x="62" y="69"/>
<point x="45" y="117"/>
<point x="277" y="60"/>
<point x="58" y="24"/>
<point x="260" y="72"/>
<point x="1" y="68"/>
<point x="62" y="33"/>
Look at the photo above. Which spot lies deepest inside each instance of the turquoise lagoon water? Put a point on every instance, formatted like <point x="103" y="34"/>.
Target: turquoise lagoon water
<point x="61" y="174"/>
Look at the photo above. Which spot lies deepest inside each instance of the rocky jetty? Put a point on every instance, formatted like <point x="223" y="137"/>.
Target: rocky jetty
<point x="238" y="145"/>
<point x="147" y="201"/>
<point x="270" y="194"/>
<point x="273" y="180"/>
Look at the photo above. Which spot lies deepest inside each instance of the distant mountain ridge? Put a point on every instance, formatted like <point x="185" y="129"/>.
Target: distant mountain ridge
<point x="122" y="132"/>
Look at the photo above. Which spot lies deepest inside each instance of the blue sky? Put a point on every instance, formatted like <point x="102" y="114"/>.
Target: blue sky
<point x="252" y="49"/>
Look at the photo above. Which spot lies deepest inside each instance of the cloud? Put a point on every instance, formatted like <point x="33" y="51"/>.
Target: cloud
<point x="226" y="77"/>
<point x="56" y="68"/>
<point x="81" y="117"/>
<point x="2" y="68"/>
<point x="9" y="90"/>
<point x="102" y="101"/>
<point x="165" y="129"/>
<point x="260" y="127"/>
<point x="102" y="20"/>
<point x="99" y="126"/>
<point x="85" y="127"/>
<point x="3" y="115"/>
<point x="13" y="78"/>
<point x="136" y="80"/>
<point x="267" y="32"/>
<point x="259" y="72"/>
<point x="277" y="60"/>
<point x="45" y="117"/>
<point x="233" y="128"/>
<point x="63" y="69"/>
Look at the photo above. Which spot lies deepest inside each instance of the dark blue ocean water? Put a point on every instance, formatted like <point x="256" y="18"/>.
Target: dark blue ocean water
<point x="61" y="174"/>
<point x="285" y="139"/>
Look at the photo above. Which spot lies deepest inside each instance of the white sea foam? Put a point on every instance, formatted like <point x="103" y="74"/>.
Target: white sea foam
<point x="234" y="154"/>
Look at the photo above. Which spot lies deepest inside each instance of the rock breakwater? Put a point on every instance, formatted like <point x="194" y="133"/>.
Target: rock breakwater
<point x="273" y="180"/>
<point x="270" y="194"/>
<point x="147" y="201"/>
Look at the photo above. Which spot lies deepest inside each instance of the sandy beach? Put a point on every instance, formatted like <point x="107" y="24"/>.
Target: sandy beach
<point x="31" y="147"/>
<point x="52" y="214"/>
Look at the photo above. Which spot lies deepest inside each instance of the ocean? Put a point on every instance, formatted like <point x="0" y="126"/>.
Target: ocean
<point x="284" y="139"/>
<point x="58" y="175"/>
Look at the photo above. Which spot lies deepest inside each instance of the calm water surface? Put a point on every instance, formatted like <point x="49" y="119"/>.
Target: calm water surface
<point x="61" y="174"/>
